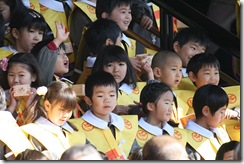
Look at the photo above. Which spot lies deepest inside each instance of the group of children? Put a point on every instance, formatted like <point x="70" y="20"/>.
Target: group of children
<point x="179" y="96"/>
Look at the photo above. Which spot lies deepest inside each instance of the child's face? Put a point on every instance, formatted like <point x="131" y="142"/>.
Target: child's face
<point x="171" y="72"/>
<point x="62" y="63"/>
<point x="229" y="155"/>
<point x="163" y="109"/>
<point x="5" y="11"/>
<point x="56" y="113"/>
<point x="27" y="39"/>
<point x="117" y="69"/>
<point x="122" y="16"/>
<point x="104" y="100"/>
<point x="19" y="74"/>
<point x="118" y="41"/>
<point x="215" y="120"/>
<point x="206" y="75"/>
<point x="188" y="50"/>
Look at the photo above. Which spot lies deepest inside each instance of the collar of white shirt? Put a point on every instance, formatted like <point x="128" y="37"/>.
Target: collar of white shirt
<point x="126" y="88"/>
<point x="116" y="120"/>
<point x="126" y="39"/>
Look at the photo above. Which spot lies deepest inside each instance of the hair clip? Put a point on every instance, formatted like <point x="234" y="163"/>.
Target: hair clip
<point x="41" y="91"/>
<point x="4" y="64"/>
<point x="34" y="14"/>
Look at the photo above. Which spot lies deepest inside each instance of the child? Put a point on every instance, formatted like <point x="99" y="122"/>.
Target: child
<point x="81" y="152"/>
<point x="117" y="133"/>
<point x="114" y="59"/>
<point x="204" y="134"/>
<point x="27" y="32"/>
<point x="156" y="101"/>
<point x="164" y="148"/>
<point x="52" y="58"/>
<point x="226" y="151"/>
<point x="187" y="43"/>
<point x="167" y="68"/>
<point x="46" y="124"/>
<point x="22" y="69"/>
<point x="101" y="33"/>
<point x="8" y="8"/>
<point x="29" y="154"/>
<point x="136" y="154"/>
<point x="120" y="12"/>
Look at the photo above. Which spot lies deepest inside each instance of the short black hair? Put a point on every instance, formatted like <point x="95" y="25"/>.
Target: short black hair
<point x="225" y="147"/>
<point x="99" y="78"/>
<point x="209" y="95"/>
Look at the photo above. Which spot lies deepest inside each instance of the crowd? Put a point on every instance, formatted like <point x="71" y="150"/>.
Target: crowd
<point x="136" y="103"/>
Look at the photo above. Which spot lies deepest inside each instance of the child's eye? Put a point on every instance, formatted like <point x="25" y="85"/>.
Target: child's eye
<point x="121" y="64"/>
<point x="112" y="95"/>
<point x="41" y="32"/>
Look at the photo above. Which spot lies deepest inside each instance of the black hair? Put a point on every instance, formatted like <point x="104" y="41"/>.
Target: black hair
<point x="32" y="66"/>
<point x="188" y="34"/>
<point x="28" y="18"/>
<point x="2" y="30"/>
<point x="109" y="5"/>
<point x="202" y="60"/>
<point x="112" y="53"/>
<point x="225" y="147"/>
<point x="209" y="95"/>
<point x="99" y="78"/>
<point x="98" y="32"/>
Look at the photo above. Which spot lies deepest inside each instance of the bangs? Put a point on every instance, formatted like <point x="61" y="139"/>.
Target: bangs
<point x="39" y="25"/>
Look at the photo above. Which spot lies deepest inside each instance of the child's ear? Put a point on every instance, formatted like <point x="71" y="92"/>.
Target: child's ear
<point x="33" y="78"/>
<point x="108" y="42"/>
<point x="47" y="105"/>
<point x="88" y="101"/>
<point x="192" y="76"/>
<point x="15" y="33"/>
<point x="150" y="106"/>
<point x="205" y="111"/>
<point x="104" y="15"/>
<point x="176" y="46"/>
<point x="157" y="72"/>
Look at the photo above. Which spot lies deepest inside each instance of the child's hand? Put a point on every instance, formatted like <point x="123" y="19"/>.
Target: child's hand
<point x="148" y="69"/>
<point x="230" y="114"/>
<point x="136" y="63"/>
<point x="13" y="102"/>
<point x="61" y="34"/>
<point x="146" y="22"/>
<point x="31" y="97"/>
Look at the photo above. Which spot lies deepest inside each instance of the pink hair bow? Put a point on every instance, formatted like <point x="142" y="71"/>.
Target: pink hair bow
<point x="4" y="64"/>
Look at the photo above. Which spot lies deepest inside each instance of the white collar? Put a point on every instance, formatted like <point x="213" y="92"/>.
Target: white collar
<point x="127" y="88"/>
<point x="116" y="120"/>
<point x="154" y="129"/>
<point x="55" y="5"/>
<point x="184" y="73"/>
<point x="90" y="61"/>
<point x="49" y="126"/>
<point x="10" y="48"/>
<point x="126" y="39"/>
<point x="193" y="126"/>
<point x="26" y="3"/>
<point x="87" y="2"/>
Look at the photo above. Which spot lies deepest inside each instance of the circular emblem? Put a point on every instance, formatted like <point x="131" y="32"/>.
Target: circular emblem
<point x="197" y="137"/>
<point x="91" y="9"/>
<point x="43" y="8"/>
<point x="232" y="98"/>
<point x="32" y="6"/>
<point x="189" y="102"/>
<point x="128" y="124"/>
<point x="237" y="127"/>
<point x="136" y="91"/>
<point x="177" y="134"/>
<point x="142" y="135"/>
<point x="86" y="126"/>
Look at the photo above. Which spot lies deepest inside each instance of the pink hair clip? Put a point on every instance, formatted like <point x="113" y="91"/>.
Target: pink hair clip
<point x="4" y="64"/>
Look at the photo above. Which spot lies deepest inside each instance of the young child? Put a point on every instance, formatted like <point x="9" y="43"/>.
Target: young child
<point x="204" y="134"/>
<point x="46" y="124"/>
<point x="120" y="12"/>
<point x="100" y="33"/>
<point x="29" y="154"/>
<point x="156" y="101"/>
<point x="226" y="151"/>
<point x="116" y="133"/>
<point x="187" y="43"/>
<point x="114" y="59"/>
<point x="136" y="154"/>
<point x="52" y="58"/>
<point x="8" y="8"/>
<point x="204" y="69"/>
<point x="28" y="27"/>
<point x="22" y="69"/>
